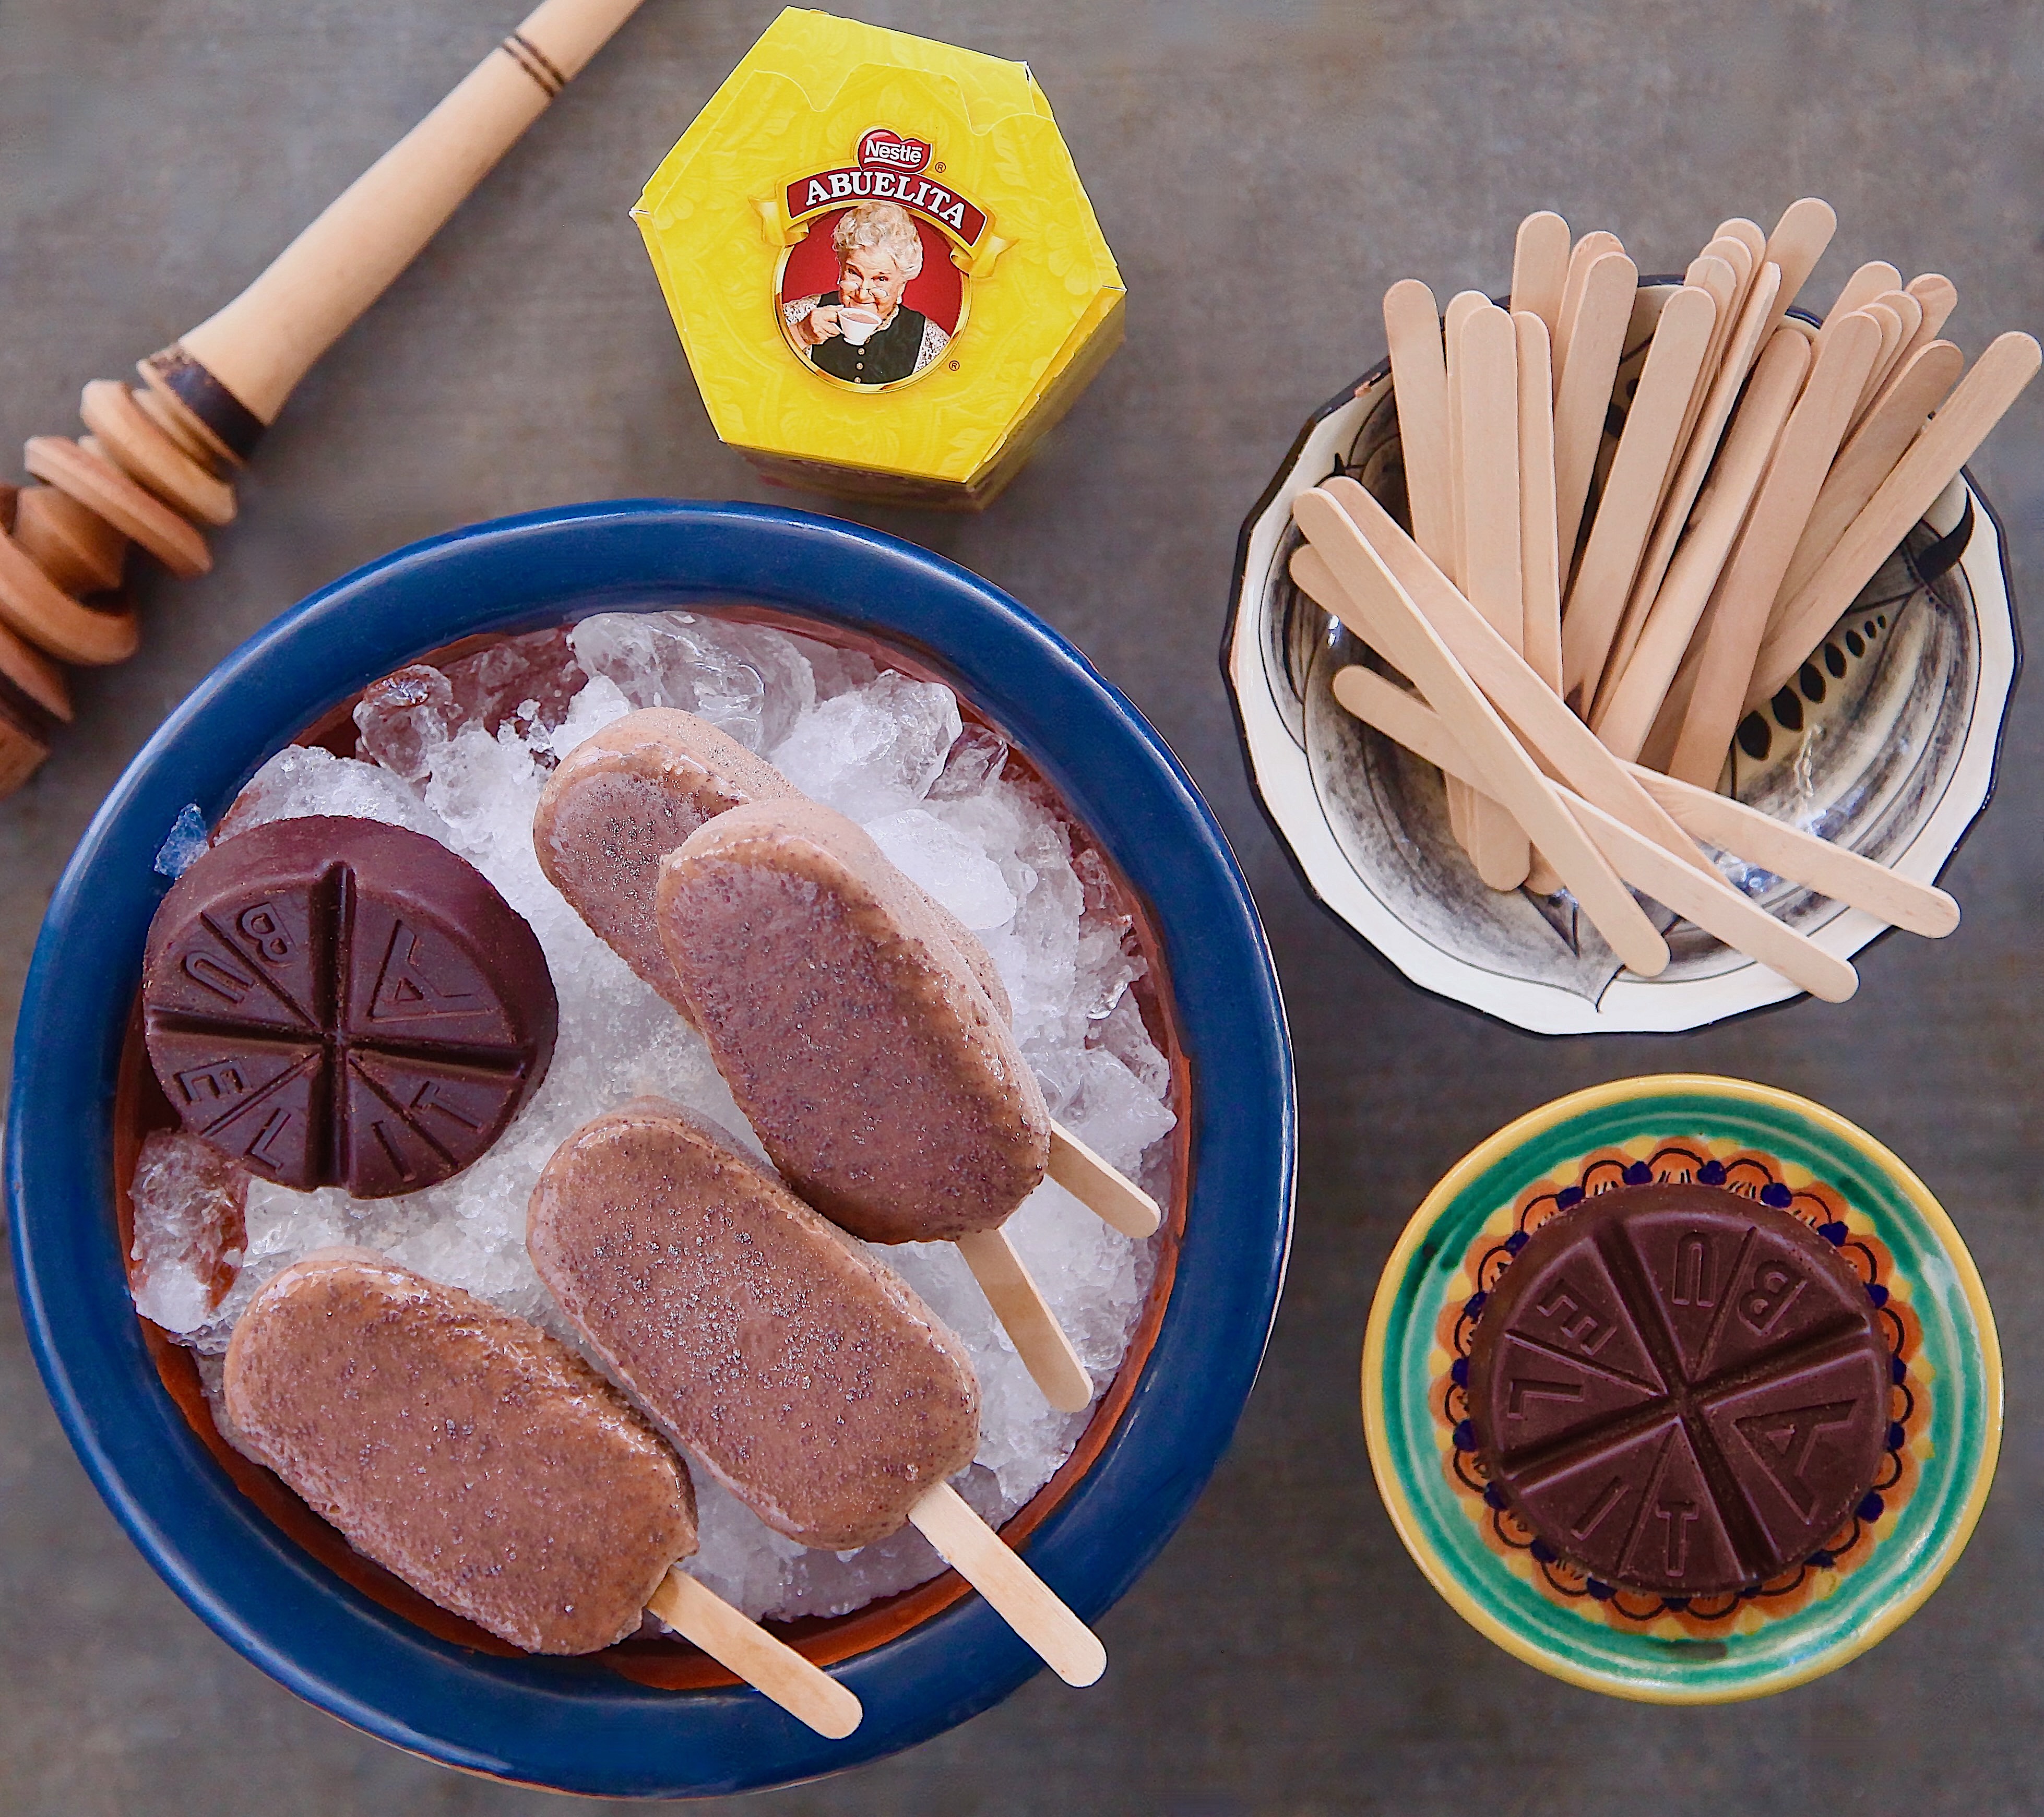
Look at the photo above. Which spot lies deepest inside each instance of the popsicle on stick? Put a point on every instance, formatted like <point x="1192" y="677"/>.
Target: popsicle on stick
<point x="807" y="1378"/>
<point x="487" y="1466"/>
<point x="1932" y="461"/>
<point x="1780" y="508"/>
<point x="1731" y="825"/>
<point x="1380" y="611"/>
<point x="875" y="1070"/>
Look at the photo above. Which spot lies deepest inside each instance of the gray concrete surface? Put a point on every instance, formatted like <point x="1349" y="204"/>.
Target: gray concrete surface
<point x="1263" y="170"/>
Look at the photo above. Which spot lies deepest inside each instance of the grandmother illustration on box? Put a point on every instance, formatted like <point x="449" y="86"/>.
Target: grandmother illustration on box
<point x="861" y="331"/>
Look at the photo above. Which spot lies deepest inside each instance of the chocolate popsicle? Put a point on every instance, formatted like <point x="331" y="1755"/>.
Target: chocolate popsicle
<point x="807" y="1378"/>
<point x="1683" y="1390"/>
<point x="876" y="1072"/>
<point x="332" y="1001"/>
<point x="487" y="1466"/>
<point x="626" y="796"/>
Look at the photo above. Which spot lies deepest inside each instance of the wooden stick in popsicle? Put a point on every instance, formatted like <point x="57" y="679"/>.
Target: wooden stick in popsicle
<point x="1752" y="576"/>
<point x="1708" y="901"/>
<point x="152" y="465"/>
<point x="1563" y="744"/>
<point x="1932" y="461"/>
<point x="1790" y="852"/>
<point x="1633" y="488"/>
<point x="1108" y="1193"/>
<point x="1019" y="1304"/>
<point x="1896" y="418"/>
<point x="1582" y="399"/>
<point x="1378" y="609"/>
<point x="739" y="1644"/>
<point x="1540" y="269"/>
<point x="1021" y="1598"/>
<point x="1635" y="685"/>
<point x="1488" y="400"/>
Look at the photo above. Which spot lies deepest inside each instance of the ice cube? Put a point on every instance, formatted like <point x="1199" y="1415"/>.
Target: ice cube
<point x="189" y="1231"/>
<point x="873" y="750"/>
<point x="302" y="779"/>
<point x="948" y="866"/>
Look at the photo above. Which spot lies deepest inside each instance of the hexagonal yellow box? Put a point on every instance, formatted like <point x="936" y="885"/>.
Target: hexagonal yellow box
<point x="886" y="274"/>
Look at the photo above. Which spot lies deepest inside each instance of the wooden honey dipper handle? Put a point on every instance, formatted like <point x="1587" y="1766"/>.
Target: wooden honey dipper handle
<point x="233" y="372"/>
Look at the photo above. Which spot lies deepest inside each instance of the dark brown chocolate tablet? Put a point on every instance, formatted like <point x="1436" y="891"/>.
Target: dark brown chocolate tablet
<point x="1682" y="1390"/>
<point x="337" y="1002"/>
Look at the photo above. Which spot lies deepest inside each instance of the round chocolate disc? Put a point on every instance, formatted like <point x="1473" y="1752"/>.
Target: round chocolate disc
<point x="1680" y="1388"/>
<point x="339" y="1003"/>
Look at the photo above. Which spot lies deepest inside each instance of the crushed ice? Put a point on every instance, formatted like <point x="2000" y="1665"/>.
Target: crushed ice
<point x="461" y="755"/>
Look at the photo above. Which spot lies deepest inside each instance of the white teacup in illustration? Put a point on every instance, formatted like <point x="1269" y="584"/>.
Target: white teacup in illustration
<point x="856" y="325"/>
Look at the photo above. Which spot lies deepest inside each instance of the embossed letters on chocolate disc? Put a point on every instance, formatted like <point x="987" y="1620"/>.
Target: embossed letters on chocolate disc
<point x="337" y="1002"/>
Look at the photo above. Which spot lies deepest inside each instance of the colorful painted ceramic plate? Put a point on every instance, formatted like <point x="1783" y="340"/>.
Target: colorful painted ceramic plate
<point x="1946" y="1415"/>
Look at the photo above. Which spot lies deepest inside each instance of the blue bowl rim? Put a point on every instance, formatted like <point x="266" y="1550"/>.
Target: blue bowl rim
<point x="573" y="1725"/>
<point x="1238" y="587"/>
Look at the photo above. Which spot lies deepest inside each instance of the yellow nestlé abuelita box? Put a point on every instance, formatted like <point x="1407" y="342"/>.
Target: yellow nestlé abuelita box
<point x="886" y="274"/>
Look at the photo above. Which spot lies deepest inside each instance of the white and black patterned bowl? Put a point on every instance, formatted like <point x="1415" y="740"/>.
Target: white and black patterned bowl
<point x="1886" y="742"/>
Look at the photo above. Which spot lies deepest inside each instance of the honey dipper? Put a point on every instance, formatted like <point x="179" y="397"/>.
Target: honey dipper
<point x="154" y="467"/>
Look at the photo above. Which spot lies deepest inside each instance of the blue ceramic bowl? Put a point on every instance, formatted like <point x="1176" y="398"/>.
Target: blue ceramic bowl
<point x="575" y="1725"/>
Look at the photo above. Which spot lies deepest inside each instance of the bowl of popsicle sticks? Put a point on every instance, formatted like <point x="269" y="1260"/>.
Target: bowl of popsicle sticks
<point x="1671" y="573"/>
<point x="654" y="1715"/>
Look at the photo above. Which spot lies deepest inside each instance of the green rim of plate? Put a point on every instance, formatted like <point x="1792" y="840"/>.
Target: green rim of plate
<point x="1958" y="1370"/>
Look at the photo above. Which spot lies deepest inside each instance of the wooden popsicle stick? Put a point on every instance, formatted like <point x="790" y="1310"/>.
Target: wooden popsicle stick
<point x="1355" y="583"/>
<point x="1633" y="487"/>
<point x="770" y="1667"/>
<point x="1796" y="243"/>
<point x="1910" y="315"/>
<point x="1491" y="544"/>
<point x="1540" y="270"/>
<point x="1582" y="396"/>
<point x="1108" y="1193"/>
<point x="34" y="606"/>
<point x="1892" y="336"/>
<point x="1932" y="461"/>
<point x="1717" y="908"/>
<point x="1014" y="1592"/>
<point x="73" y="467"/>
<point x="1419" y="382"/>
<point x="1461" y="804"/>
<point x="1539" y="553"/>
<point x="1745" y="832"/>
<point x="1749" y="233"/>
<point x="1736" y="257"/>
<point x="1584" y="253"/>
<point x="1866" y="284"/>
<point x="1701" y="446"/>
<point x="144" y="452"/>
<point x="1708" y="901"/>
<point x="1018" y="1302"/>
<point x="75" y="546"/>
<point x="1939" y="295"/>
<point x="1780" y="511"/>
<point x="1560" y="741"/>
<point x="261" y="344"/>
<point x="1897" y="416"/>
<point x="1636" y="683"/>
